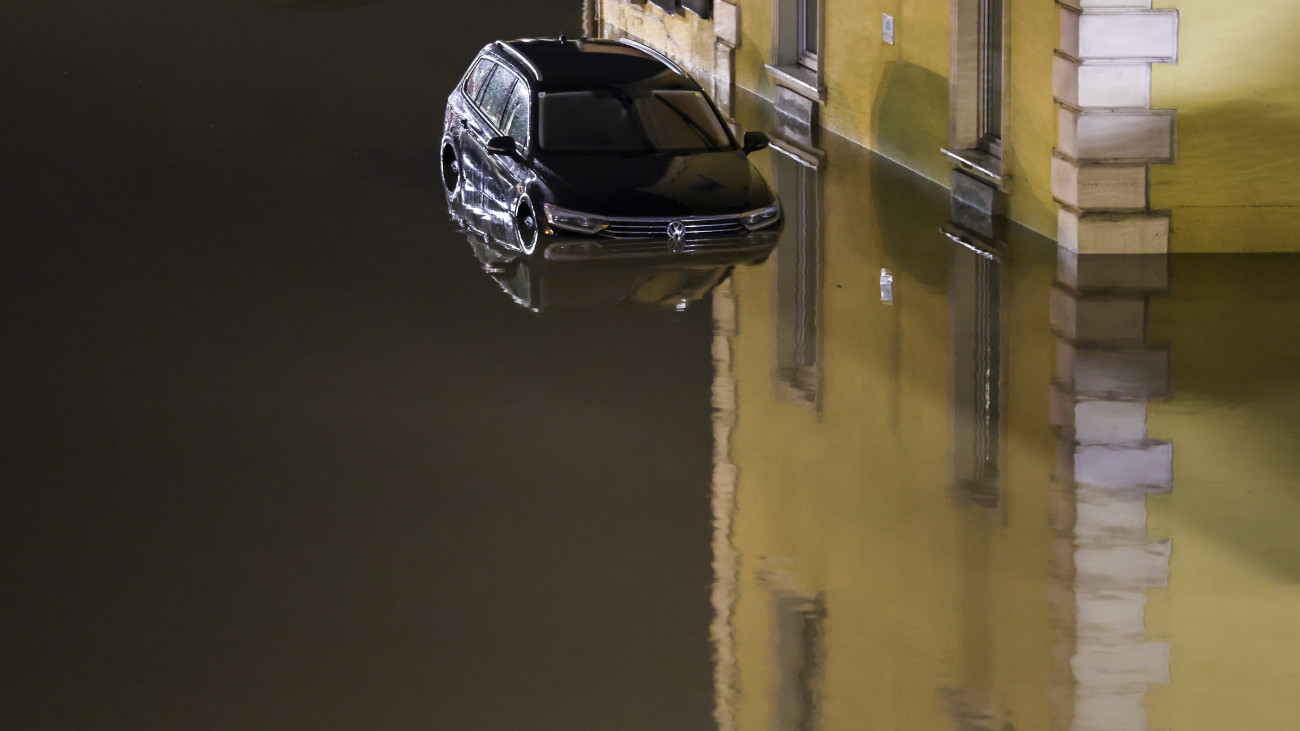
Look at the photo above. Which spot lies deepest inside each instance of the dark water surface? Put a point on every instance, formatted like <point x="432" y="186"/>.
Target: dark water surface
<point x="277" y="454"/>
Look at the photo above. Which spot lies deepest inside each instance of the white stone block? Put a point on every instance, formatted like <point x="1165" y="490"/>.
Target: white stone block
<point x="1147" y="273"/>
<point x="1097" y="319"/>
<point x="1138" y="136"/>
<point x="1113" y="186"/>
<point x="1125" y="665"/>
<point x="1137" y="35"/>
<point x="1114" y="86"/>
<point x="1067" y="131"/>
<point x="1112" y="4"/>
<point x="726" y="22"/>
<point x="1113" y="374"/>
<point x="1118" y="616"/>
<point x="724" y="77"/>
<point x="1069" y="41"/>
<point x="1150" y="466"/>
<point x="1099" y="186"/>
<point x="1065" y="79"/>
<point x="1144" y="232"/>
<point x="1104" y="516"/>
<point x="1110" y="422"/>
<point x="1121" y="568"/>
<point x="1109" y="710"/>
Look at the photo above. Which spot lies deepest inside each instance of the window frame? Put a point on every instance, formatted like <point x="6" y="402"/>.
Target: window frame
<point x="978" y="88"/>
<point x="804" y="57"/>
<point x="792" y="64"/>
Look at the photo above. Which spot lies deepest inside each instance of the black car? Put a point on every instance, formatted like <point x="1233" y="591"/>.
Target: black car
<point x="596" y="148"/>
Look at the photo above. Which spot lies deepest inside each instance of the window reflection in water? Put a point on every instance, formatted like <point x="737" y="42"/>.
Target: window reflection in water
<point x="798" y="281"/>
<point x="975" y="332"/>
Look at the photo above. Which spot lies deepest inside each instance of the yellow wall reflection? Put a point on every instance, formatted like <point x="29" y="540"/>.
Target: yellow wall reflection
<point x="998" y="487"/>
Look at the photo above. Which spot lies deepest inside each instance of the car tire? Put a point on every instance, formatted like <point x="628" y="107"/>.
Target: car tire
<point x="451" y="172"/>
<point x="526" y="228"/>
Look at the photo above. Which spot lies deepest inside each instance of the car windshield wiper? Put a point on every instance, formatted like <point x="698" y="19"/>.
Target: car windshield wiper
<point x="691" y="124"/>
<point x="629" y="105"/>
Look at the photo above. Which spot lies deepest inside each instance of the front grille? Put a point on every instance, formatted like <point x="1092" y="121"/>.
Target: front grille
<point x="664" y="246"/>
<point x="650" y="228"/>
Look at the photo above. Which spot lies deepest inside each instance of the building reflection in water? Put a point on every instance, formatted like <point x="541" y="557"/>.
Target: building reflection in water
<point x="796" y="175"/>
<point x="974" y="526"/>
<point x="1107" y="374"/>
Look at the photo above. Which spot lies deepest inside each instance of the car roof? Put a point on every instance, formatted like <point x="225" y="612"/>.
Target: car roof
<point x="558" y="65"/>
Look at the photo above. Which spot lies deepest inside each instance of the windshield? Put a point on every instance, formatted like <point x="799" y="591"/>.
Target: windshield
<point x="622" y="120"/>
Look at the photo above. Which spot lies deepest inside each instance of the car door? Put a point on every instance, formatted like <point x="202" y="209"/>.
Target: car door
<point x="510" y="173"/>
<point x="470" y="160"/>
<point x="478" y="129"/>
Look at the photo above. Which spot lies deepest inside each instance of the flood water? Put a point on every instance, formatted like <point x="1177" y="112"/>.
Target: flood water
<point x="279" y="453"/>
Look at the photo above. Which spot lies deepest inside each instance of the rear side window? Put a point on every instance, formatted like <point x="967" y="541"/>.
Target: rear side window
<point x="478" y="79"/>
<point x="496" y="95"/>
<point x="515" y="121"/>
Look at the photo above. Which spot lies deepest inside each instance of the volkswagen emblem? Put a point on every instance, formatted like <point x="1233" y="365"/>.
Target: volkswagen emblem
<point x="676" y="230"/>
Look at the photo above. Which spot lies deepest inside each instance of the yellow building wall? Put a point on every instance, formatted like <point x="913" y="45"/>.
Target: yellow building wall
<point x="890" y="98"/>
<point x="1030" y="129"/>
<point x="1234" y="420"/>
<point x="894" y="98"/>
<point x="1236" y="87"/>
<point x="933" y="608"/>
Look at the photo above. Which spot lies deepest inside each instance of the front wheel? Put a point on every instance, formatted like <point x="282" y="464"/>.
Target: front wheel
<point x="450" y="172"/>
<point x="526" y="228"/>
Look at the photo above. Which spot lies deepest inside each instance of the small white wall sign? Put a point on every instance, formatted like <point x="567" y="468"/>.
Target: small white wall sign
<point x="887" y="28"/>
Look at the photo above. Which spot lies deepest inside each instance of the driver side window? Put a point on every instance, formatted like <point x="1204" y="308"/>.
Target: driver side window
<point x="515" y="122"/>
<point x="496" y="95"/>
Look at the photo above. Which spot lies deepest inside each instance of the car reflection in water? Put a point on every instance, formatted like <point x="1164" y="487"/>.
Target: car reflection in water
<point x="536" y="283"/>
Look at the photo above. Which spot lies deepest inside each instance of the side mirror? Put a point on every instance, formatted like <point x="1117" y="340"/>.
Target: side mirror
<point x="503" y="145"/>
<point x="754" y="141"/>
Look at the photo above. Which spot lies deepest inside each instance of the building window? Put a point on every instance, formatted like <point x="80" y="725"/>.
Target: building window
<point x="798" y="42"/>
<point x="808" y="33"/>
<point x="702" y="8"/>
<point x="990" y="77"/>
<point x="977" y="82"/>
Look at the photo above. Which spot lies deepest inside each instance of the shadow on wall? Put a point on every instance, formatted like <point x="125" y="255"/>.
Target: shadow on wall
<point x="1234" y="186"/>
<point x="910" y="118"/>
<point x="910" y="212"/>
<point x="1235" y="412"/>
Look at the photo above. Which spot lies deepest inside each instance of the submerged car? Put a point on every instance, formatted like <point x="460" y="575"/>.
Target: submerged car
<point x="598" y="148"/>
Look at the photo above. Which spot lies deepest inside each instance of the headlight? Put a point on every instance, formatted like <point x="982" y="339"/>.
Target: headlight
<point x="762" y="217"/>
<point x="573" y="220"/>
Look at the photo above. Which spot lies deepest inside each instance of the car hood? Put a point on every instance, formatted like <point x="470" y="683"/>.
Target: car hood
<point x="654" y="185"/>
